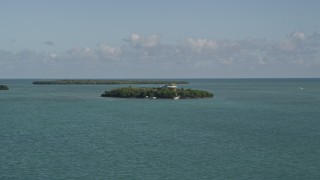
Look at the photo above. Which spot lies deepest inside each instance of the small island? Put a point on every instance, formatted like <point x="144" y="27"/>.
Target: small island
<point x="4" y="87"/>
<point x="105" y="81"/>
<point x="166" y="92"/>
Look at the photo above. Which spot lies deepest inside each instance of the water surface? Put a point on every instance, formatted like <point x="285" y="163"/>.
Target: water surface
<point x="251" y="129"/>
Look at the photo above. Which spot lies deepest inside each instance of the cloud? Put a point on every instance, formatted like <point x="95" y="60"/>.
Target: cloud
<point x="198" y="45"/>
<point x="139" y="41"/>
<point x="49" y="43"/>
<point x="102" y="52"/>
<point x="298" y="54"/>
<point x="108" y="51"/>
<point x="297" y="35"/>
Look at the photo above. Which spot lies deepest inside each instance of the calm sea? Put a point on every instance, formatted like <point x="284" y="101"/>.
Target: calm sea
<point x="251" y="129"/>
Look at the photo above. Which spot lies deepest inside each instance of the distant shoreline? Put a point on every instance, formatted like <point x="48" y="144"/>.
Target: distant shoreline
<point x="105" y="82"/>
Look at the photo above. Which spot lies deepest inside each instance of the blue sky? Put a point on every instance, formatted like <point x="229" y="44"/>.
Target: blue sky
<point x="159" y="39"/>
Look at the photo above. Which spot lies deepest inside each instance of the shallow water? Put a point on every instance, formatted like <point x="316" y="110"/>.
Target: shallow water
<point x="251" y="129"/>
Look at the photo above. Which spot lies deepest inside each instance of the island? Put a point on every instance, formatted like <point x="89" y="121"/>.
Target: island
<point x="4" y="87"/>
<point x="106" y="81"/>
<point x="166" y="92"/>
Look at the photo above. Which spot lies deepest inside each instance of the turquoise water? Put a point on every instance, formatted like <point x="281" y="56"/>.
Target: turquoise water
<point x="251" y="129"/>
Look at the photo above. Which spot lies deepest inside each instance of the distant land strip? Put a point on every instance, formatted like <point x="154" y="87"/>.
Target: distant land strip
<point x="106" y="81"/>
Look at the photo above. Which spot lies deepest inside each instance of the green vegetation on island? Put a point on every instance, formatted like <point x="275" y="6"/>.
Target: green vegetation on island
<point x="4" y="87"/>
<point x="106" y="81"/>
<point x="147" y="92"/>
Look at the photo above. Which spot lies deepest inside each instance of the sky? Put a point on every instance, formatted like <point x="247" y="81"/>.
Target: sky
<point x="159" y="39"/>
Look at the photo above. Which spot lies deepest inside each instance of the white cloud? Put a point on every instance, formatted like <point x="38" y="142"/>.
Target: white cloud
<point x="287" y="45"/>
<point x="261" y="61"/>
<point x="109" y="50"/>
<point x="53" y="55"/>
<point x="139" y="41"/>
<point x="193" y="56"/>
<point x="200" y="44"/>
<point x="103" y="52"/>
<point x="77" y="54"/>
<point x="298" y="35"/>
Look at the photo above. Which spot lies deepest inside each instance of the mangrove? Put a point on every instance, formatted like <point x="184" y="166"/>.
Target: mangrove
<point x="4" y="87"/>
<point x="151" y="92"/>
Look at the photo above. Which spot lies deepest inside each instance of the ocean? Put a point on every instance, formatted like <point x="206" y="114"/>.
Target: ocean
<point x="251" y="129"/>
